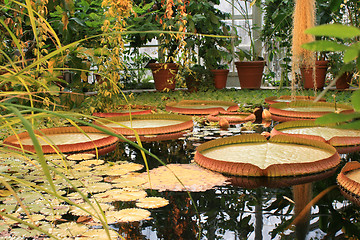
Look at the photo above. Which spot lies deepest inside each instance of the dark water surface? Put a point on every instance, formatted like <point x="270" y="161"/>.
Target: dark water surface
<point x="247" y="208"/>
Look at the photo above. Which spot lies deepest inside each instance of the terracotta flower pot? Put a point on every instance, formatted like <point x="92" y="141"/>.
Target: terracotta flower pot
<point x="250" y="74"/>
<point x="220" y="77"/>
<point x="320" y="74"/>
<point x="344" y="81"/>
<point x="164" y="75"/>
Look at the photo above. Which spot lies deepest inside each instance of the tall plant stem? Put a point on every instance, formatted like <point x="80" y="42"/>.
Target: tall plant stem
<point x="303" y="18"/>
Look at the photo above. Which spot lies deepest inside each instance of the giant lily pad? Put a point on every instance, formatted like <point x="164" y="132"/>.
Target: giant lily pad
<point x="150" y="127"/>
<point x="254" y="155"/>
<point x="194" y="107"/>
<point x="349" y="181"/>
<point x="344" y="140"/>
<point x="305" y="110"/>
<point x="67" y="140"/>
<point x="287" y="98"/>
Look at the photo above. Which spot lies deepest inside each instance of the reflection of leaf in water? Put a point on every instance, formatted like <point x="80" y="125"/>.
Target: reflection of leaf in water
<point x="81" y="156"/>
<point x="128" y="215"/>
<point x="152" y="202"/>
<point x="195" y="178"/>
<point x="93" y="162"/>
<point x="79" y="212"/>
<point x="69" y="229"/>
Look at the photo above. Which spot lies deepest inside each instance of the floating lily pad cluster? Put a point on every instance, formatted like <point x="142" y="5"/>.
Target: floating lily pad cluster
<point x="93" y="178"/>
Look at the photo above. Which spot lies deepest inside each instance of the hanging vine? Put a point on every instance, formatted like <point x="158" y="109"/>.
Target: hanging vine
<point x="111" y="61"/>
<point x="303" y="18"/>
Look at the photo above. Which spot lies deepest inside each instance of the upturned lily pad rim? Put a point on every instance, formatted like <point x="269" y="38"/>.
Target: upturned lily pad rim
<point x="171" y="107"/>
<point x="275" y="170"/>
<point x="343" y="144"/>
<point x="274" y="99"/>
<point x="231" y="117"/>
<point x="186" y="124"/>
<point x="157" y="137"/>
<point x="99" y="146"/>
<point x="141" y="109"/>
<point x="349" y="188"/>
<point x="279" y="182"/>
<point x="279" y="114"/>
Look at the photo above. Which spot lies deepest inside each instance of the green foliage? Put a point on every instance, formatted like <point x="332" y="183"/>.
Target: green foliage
<point x="242" y="8"/>
<point x="334" y="30"/>
<point x="351" y="51"/>
<point x="355" y="100"/>
<point x="74" y="20"/>
<point x="216" y="52"/>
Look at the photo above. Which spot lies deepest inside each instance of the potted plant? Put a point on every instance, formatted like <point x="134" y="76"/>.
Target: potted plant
<point x="197" y="77"/>
<point x="216" y="54"/>
<point x="250" y="66"/>
<point x="151" y="21"/>
<point x="307" y="75"/>
<point x="340" y="71"/>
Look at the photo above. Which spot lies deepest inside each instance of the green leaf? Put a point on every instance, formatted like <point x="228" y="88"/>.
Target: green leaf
<point x="355" y="100"/>
<point x="336" y="118"/>
<point x="323" y="45"/>
<point x="351" y="125"/>
<point x="334" y="30"/>
<point x="351" y="54"/>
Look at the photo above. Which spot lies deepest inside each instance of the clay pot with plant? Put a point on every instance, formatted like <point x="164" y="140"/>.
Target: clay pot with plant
<point x="340" y="71"/>
<point x="217" y="54"/>
<point x="214" y="53"/>
<point x="197" y="77"/>
<point x="251" y="65"/>
<point x="307" y="75"/>
<point x="154" y="20"/>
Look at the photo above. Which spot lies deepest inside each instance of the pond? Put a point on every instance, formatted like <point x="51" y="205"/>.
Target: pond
<point x="244" y="208"/>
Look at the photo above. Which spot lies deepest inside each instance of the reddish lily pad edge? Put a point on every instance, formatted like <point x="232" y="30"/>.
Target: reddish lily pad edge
<point x="343" y="144"/>
<point x="275" y="170"/>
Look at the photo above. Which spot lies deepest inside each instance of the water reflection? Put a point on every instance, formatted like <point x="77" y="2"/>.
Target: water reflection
<point x="247" y="208"/>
